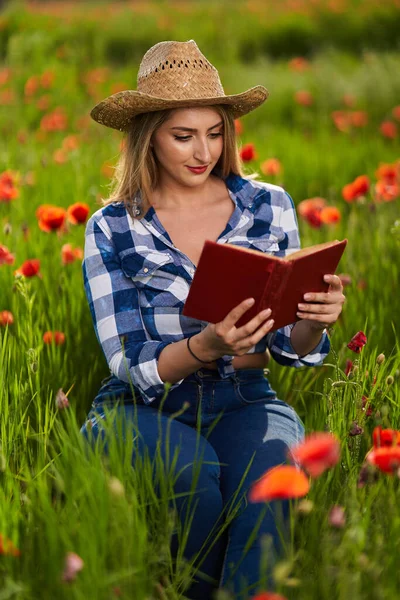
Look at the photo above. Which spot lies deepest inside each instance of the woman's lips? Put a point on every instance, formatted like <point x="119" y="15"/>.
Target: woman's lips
<point x="197" y="169"/>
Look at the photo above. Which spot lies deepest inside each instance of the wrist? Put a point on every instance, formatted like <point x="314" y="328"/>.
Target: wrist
<point x="316" y="327"/>
<point x="199" y="347"/>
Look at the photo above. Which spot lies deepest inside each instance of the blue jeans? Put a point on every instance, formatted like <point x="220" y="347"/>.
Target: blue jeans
<point x="252" y="421"/>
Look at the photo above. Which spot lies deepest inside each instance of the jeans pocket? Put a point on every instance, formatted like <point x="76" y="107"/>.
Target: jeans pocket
<point x="252" y="390"/>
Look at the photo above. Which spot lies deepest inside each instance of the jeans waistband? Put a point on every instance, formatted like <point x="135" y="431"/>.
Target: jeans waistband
<point x="212" y="374"/>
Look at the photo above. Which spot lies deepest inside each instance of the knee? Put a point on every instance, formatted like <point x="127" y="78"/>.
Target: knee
<point x="198" y="474"/>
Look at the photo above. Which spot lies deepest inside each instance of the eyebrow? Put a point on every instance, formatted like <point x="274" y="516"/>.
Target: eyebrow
<point x="189" y="129"/>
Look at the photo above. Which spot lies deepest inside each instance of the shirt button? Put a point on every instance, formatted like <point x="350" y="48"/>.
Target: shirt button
<point x="145" y="269"/>
<point x="250" y="205"/>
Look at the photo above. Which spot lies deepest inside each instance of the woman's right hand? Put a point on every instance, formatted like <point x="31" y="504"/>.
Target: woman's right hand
<point x="222" y="338"/>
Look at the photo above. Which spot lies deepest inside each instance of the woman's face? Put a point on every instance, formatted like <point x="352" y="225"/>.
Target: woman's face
<point x="191" y="137"/>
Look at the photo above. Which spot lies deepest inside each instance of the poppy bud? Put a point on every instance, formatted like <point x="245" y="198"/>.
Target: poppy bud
<point x="389" y="380"/>
<point x="380" y="359"/>
<point x="305" y="506"/>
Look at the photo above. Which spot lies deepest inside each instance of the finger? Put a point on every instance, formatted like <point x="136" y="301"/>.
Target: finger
<point x="249" y="328"/>
<point x="250" y="341"/>
<point x="329" y="297"/>
<point x="236" y="312"/>
<point x="321" y="318"/>
<point x="335" y="284"/>
<point x="324" y="298"/>
<point x="315" y="308"/>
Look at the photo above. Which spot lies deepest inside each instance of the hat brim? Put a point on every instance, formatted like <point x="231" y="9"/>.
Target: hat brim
<point x="117" y="110"/>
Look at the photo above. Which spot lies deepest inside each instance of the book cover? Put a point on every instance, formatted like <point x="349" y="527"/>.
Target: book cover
<point x="227" y="274"/>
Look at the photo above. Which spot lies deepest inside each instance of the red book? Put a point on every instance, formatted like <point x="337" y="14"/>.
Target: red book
<point x="227" y="274"/>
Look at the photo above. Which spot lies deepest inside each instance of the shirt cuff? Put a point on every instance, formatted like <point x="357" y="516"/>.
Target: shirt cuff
<point x="286" y="355"/>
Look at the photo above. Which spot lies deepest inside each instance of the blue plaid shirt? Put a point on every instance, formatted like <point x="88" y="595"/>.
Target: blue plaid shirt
<point x="136" y="282"/>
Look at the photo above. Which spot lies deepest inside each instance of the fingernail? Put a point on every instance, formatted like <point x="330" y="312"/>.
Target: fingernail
<point x="270" y="322"/>
<point x="249" y="301"/>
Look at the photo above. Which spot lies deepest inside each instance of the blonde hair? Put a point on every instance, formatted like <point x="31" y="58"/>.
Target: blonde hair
<point x="136" y="170"/>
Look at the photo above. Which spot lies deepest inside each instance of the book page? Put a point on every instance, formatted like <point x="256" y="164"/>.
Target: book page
<point x="310" y="250"/>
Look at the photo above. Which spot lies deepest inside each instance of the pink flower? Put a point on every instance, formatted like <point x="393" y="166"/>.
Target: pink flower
<point x="337" y="517"/>
<point x="73" y="564"/>
<point x="61" y="400"/>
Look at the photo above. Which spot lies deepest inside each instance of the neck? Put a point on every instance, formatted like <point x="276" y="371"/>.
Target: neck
<point x="170" y="196"/>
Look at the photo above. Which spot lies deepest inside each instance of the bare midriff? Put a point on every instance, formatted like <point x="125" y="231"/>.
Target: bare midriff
<point x="258" y="360"/>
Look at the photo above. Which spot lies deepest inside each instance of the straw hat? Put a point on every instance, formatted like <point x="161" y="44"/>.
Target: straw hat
<point x="171" y="75"/>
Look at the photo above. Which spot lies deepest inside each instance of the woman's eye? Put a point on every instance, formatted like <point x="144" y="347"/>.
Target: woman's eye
<point x="187" y="137"/>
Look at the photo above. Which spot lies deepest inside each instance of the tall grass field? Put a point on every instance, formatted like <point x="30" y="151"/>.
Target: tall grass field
<point x="79" y="524"/>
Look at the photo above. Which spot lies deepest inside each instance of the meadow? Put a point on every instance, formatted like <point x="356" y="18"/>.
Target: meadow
<point x="78" y="524"/>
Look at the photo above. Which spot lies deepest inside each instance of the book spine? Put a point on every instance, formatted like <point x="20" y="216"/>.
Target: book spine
<point x="276" y="285"/>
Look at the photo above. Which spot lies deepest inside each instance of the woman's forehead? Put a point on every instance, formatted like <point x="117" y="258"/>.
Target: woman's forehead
<point x="195" y="112"/>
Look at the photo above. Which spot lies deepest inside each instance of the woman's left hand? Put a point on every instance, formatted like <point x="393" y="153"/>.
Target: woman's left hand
<point x="325" y="314"/>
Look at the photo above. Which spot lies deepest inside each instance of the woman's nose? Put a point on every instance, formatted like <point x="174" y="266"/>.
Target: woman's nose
<point x="202" y="151"/>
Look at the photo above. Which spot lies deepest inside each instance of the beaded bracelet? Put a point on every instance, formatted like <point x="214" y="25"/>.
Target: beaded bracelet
<point x="194" y="356"/>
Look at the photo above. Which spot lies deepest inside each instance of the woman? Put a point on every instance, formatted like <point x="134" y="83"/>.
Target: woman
<point x="180" y="182"/>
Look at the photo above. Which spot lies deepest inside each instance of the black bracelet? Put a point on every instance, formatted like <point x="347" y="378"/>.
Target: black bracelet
<point x="194" y="356"/>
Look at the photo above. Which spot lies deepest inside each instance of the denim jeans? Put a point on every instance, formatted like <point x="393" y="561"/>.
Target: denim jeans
<point x="252" y="421"/>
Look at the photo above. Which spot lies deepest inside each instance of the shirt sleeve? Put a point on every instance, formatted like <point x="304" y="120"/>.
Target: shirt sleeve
<point x="114" y="306"/>
<point x="278" y="341"/>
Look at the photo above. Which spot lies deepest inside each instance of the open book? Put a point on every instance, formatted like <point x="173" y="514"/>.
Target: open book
<point x="227" y="274"/>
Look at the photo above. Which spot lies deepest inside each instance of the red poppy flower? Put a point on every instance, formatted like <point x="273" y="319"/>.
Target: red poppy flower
<point x="359" y="118"/>
<point x="386" y="458"/>
<point x="349" y="366"/>
<point x="388" y="172"/>
<point x="8" y="191"/>
<point x="317" y="453"/>
<point x="57" y="336"/>
<point x="385" y="437"/>
<point x="7" y="547"/>
<point x="29" y="268"/>
<point x="282" y="482"/>
<point x="341" y="120"/>
<point x="268" y="596"/>
<point x="6" y="318"/>
<point x="311" y="204"/>
<point x="248" y="152"/>
<point x="330" y="214"/>
<point x="396" y="112"/>
<point x="388" y="129"/>
<point x="51" y="218"/>
<point x="271" y="166"/>
<point x="386" y="191"/>
<point x="70" y="255"/>
<point x="78" y="213"/>
<point x="54" y="121"/>
<point x="357" y="342"/>
<point x="359" y="187"/>
<point x="299" y="63"/>
<point x="304" y="98"/>
<point x="6" y="258"/>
